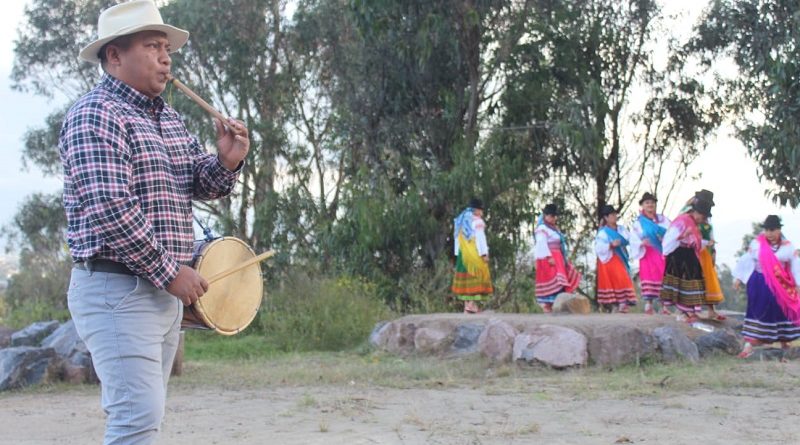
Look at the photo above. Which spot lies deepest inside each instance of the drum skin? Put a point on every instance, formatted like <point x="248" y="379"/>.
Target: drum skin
<point x="230" y="304"/>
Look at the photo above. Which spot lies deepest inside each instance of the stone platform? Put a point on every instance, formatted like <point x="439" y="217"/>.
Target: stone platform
<point x="558" y="340"/>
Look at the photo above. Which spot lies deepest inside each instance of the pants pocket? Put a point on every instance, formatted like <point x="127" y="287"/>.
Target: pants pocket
<point x="120" y="289"/>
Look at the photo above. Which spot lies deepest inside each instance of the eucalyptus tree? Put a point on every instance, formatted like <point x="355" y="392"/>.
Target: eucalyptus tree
<point x="761" y="41"/>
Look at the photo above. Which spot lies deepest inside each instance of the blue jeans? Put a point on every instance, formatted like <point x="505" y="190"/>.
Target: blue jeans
<point x="131" y="329"/>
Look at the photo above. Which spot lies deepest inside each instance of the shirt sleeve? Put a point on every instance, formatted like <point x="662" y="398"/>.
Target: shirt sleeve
<point x="211" y="179"/>
<point x="602" y="247"/>
<point x="541" y="250"/>
<point x="98" y="158"/>
<point x="746" y="264"/>
<point x="794" y="263"/>
<point x="671" y="240"/>
<point x="480" y="237"/>
<point x="636" y="248"/>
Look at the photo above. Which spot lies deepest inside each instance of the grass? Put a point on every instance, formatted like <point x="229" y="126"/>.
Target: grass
<point x="377" y="369"/>
<point x="239" y="368"/>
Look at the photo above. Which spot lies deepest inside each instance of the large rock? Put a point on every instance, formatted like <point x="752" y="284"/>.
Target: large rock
<point x="767" y="355"/>
<point x="466" y="338"/>
<point x="720" y="341"/>
<point x="399" y="337"/>
<point x="5" y="336"/>
<point x="34" y="333"/>
<point x="496" y="342"/>
<point x="378" y="335"/>
<point x="555" y="346"/>
<point x="617" y="345"/>
<point x="24" y="366"/>
<point x="675" y="345"/>
<point x="65" y="340"/>
<point x="572" y="304"/>
<point x="76" y="360"/>
<point x="432" y="340"/>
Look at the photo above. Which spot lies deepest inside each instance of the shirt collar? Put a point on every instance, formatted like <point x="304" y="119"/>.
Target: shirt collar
<point x="130" y="95"/>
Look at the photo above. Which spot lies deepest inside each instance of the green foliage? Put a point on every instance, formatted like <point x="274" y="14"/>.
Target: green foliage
<point x="318" y="314"/>
<point x="39" y="288"/>
<point x="763" y="97"/>
<point x="735" y="300"/>
<point x="568" y="89"/>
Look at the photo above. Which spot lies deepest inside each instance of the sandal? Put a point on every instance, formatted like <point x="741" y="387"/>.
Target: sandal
<point x="665" y="311"/>
<point x="648" y="309"/>
<point x="470" y="307"/>
<point x="623" y="309"/>
<point x="747" y="351"/>
<point x="720" y="317"/>
<point x="547" y="308"/>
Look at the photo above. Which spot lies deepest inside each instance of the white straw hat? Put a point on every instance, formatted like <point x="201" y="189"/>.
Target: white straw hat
<point x="129" y="18"/>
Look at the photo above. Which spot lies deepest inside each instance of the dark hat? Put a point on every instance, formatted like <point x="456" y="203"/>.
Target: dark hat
<point x="772" y="222"/>
<point x="648" y="197"/>
<point x="702" y="207"/>
<point x="705" y="195"/>
<point x="607" y="210"/>
<point x="475" y="203"/>
<point x="551" y="209"/>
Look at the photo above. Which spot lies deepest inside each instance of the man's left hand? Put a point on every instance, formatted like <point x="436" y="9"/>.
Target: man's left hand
<point x="233" y="142"/>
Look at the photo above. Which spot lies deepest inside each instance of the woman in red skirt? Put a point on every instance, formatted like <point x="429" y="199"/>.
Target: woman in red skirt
<point x="554" y="274"/>
<point x="614" y="284"/>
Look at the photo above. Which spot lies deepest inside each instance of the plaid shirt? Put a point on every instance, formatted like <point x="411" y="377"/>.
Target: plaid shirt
<point x="131" y="170"/>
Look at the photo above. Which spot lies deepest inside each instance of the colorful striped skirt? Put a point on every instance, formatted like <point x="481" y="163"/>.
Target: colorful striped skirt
<point x="713" y="289"/>
<point x="470" y="286"/>
<point x="651" y="273"/>
<point x="764" y="319"/>
<point x="683" y="283"/>
<point x="551" y="280"/>
<point x="614" y="284"/>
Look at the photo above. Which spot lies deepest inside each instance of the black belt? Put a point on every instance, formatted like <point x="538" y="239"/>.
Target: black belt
<point x="100" y="265"/>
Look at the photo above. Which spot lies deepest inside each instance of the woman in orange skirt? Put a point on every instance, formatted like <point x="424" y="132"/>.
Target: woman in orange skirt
<point x="554" y="274"/>
<point x="614" y="284"/>
<point x="713" y="289"/>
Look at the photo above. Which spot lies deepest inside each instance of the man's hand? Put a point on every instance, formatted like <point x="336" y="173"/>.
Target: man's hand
<point x="616" y="243"/>
<point x="551" y="261"/>
<point x="233" y="142"/>
<point x="737" y="284"/>
<point x="188" y="286"/>
<point x="485" y="258"/>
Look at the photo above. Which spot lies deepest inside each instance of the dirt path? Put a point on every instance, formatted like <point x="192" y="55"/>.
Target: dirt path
<point x="355" y="415"/>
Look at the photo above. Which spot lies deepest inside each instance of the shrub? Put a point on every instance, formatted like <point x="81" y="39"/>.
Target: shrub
<point x="323" y="314"/>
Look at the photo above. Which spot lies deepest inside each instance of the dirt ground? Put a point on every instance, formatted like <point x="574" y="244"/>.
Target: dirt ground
<point x="723" y="403"/>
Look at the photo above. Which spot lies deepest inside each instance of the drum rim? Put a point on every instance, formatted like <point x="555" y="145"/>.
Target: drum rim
<point x="198" y="305"/>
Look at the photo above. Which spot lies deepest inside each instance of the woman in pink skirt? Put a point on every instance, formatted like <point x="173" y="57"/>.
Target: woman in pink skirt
<point x="650" y="228"/>
<point x="554" y="274"/>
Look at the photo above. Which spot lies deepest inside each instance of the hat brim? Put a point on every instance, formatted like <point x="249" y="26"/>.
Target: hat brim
<point x="177" y="38"/>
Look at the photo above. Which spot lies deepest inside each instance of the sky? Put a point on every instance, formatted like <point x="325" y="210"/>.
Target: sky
<point x="723" y="168"/>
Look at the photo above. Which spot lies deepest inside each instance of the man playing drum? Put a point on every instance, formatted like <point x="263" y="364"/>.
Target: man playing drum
<point x="131" y="170"/>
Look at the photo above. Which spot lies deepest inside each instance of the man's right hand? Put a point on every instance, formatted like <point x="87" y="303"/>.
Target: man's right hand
<point x="188" y="286"/>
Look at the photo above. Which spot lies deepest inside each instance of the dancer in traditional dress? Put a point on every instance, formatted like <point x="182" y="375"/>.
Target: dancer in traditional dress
<point x="649" y="228"/>
<point x="683" y="284"/>
<point x="472" y="282"/>
<point x="713" y="290"/>
<point x="554" y="274"/>
<point x="771" y="269"/>
<point x="614" y="284"/>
